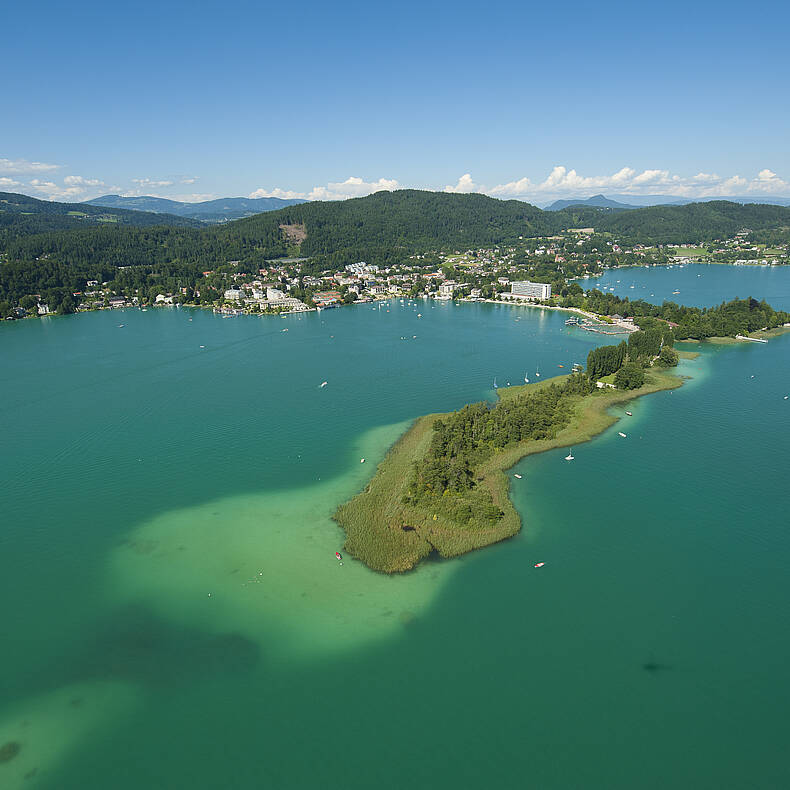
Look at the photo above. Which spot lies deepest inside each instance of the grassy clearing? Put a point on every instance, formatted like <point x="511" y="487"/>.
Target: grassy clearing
<point x="691" y="252"/>
<point x="390" y="536"/>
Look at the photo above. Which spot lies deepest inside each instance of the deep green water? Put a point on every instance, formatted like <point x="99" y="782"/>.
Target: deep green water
<point x="175" y="617"/>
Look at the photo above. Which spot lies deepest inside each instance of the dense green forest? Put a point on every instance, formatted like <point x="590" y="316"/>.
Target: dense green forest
<point x="693" y="223"/>
<point x="383" y="227"/>
<point x="468" y="437"/>
<point x="21" y="216"/>
<point x="605" y="360"/>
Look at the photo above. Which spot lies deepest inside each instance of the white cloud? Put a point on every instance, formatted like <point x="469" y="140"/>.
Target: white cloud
<point x="20" y="166"/>
<point x="145" y="183"/>
<point x="564" y="182"/>
<point x="74" y="181"/>
<point x="73" y="188"/>
<point x="521" y="187"/>
<point x="335" y="190"/>
<point x="285" y="194"/>
<point x="465" y="184"/>
<point x="188" y="180"/>
<point x="9" y="183"/>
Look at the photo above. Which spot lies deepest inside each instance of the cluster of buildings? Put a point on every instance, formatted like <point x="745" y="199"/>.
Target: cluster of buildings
<point x="263" y="297"/>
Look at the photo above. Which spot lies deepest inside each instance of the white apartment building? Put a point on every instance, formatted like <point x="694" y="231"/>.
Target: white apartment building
<point x="528" y="290"/>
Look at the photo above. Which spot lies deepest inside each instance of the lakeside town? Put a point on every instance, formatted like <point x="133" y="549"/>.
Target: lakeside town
<point x="538" y="270"/>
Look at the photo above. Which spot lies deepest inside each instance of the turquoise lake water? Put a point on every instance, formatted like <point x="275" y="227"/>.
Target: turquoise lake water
<point x="699" y="284"/>
<point x="175" y="616"/>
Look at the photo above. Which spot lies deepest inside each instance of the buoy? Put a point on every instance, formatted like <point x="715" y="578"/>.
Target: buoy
<point x="539" y="564"/>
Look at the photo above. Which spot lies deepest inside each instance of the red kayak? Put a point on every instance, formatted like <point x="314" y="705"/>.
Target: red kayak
<point x="539" y="564"/>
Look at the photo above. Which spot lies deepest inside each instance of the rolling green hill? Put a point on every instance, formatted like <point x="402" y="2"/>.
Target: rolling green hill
<point x="21" y="215"/>
<point x="694" y="222"/>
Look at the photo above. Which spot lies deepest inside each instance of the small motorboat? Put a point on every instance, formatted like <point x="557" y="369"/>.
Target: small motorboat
<point x="629" y="414"/>
<point x="518" y="477"/>
<point x="620" y="433"/>
<point x="539" y="564"/>
<point x="569" y="456"/>
<point x="338" y="555"/>
<point x="362" y="460"/>
<point x="323" y="384"/>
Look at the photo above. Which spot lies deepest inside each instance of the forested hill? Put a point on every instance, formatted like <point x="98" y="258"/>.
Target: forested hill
<point x="406" y="220"/>
<point x="22" y="215"/>
<point x="381" y="228"/>
<point x="694" y="222"/>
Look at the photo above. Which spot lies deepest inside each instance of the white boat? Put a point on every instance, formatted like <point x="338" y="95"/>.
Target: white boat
<point x="526" y="379"/>
<point x="518" y="477"/>
<point x="323" y="384"/>
<point x="620" y="433"/>
<point x="629" y="414"/>
<point x="495" y="386"/>
<point x="362" y="460"/>
<point x="569" y="456"/>
<point x="537" y="370"/>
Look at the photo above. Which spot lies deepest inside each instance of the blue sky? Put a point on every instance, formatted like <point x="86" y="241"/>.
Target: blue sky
<point x="535" y="101"/>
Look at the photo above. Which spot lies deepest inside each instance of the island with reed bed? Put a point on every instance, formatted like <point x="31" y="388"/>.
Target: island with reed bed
<point x="443" y="487"/>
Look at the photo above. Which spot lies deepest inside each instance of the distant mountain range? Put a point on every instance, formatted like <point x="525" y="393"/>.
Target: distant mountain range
<point x="22" y="215"/>
<point x="597" y="201"/>
<point x="640" y="201"/>
<point x="220" y="210"/>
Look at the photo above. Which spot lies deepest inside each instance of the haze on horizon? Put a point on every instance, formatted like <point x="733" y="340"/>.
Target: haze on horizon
<point x="324" y="102"/>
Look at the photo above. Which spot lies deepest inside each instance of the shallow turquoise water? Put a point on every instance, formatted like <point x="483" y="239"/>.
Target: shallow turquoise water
<point x="179" y="619"/>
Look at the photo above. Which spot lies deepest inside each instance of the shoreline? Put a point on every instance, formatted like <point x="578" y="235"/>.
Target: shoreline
<point x="392" y="537"/>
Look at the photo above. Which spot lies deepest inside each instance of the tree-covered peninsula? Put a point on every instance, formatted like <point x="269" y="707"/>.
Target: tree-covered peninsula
<point x="442" y="487"/>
